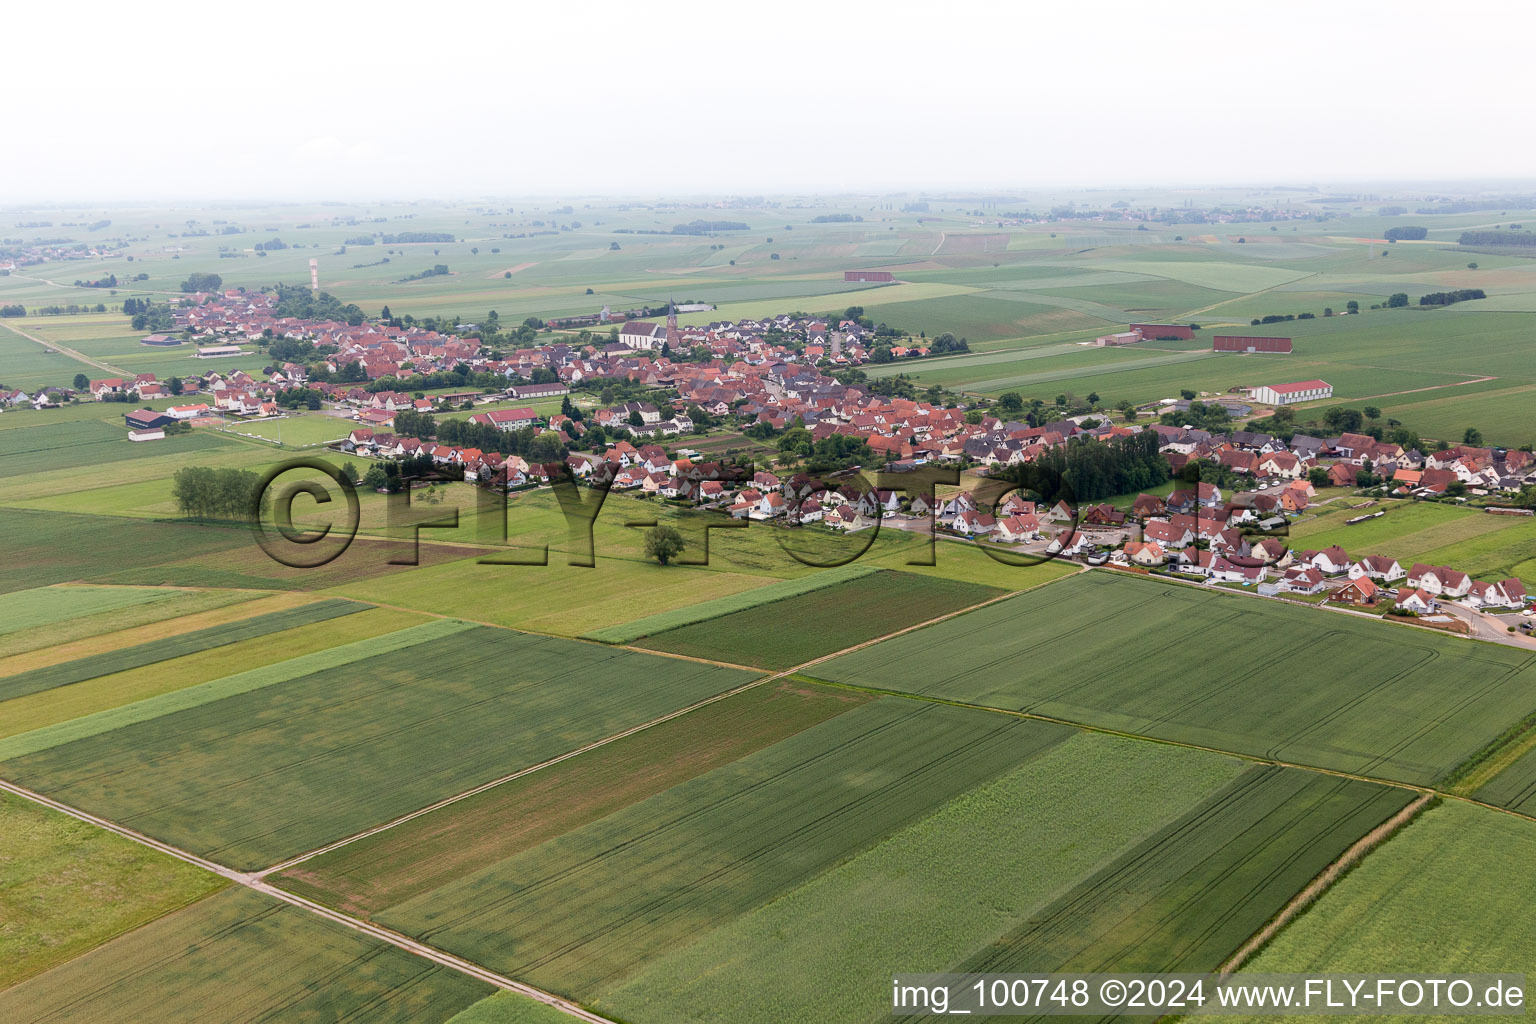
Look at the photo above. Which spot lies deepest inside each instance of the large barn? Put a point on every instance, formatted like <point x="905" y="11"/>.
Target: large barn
<point x="1239" y="343"/>
<point x="1165" y="332"/>
<point x="869" y="276"/>
<point x="1290" y="394"/>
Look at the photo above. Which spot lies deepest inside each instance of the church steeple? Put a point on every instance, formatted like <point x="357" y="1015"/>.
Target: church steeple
<point x="672" y="334"/>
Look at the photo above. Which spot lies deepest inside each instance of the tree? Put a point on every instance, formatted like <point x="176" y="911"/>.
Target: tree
<point x="81" y="382"/>
<point x="201" y="282"/>
<point x="1317" y="476"/>
<point x="1398" y="300"/>
<point x="1010" y="402"/>
<point x="376" y="479"/>
<point x="349" y="471"/>
<point x="1093" y="398"/>
<point x="176" y="386"/>
<point x="663" y="543"/>
<point x="1352" y="306"/>
<point x="1187" y="395"/>
<point x="636" y="420"/>
<point x="1372" y="413"/>
<point x="1473" y="437"/>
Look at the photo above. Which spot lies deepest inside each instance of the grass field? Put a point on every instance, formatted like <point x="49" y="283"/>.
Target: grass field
<point x="66" y="887"/>
<point x="598" y="902"/>
<point x="241" y="956"/>
<point x="297" y="431"/>
<point x="928" y="896"/>
<point x="1434" y="898"/>
<point x="50" y="547"/>
<point x="84" y="443"/>
<point x="794" y="630"/>
<point x="427" y="852"/>
<point x="269" y="773"/>
<point x="1487" y="547"/>
<point x="1233" y="673"/>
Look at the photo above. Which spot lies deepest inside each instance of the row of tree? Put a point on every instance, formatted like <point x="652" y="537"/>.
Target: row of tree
<point x="209" y="493"/>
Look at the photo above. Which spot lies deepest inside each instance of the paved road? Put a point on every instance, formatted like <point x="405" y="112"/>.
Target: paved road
<point x="1491" y="627"/>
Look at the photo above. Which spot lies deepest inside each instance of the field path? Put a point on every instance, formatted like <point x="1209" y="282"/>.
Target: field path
<point x="63" y="351"/>
<point x="395" y="939"/>
<point x="510" y="270"/>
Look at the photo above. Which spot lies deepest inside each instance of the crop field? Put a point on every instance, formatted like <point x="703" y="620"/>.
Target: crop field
<point x="66" y="887"/>
<point x="132" y="686"/>
<point x="430" y="851"/>
<point x="650" y="625"/>
<point x="1188" y="897"/>
<point x="797" y="629"/>
<point x="36" y="609"/>
<point x="87" y="618"/>
<point x="45" y="548"/>
<point x="1100" y="772"/>
<point x="154" y="651"/>
<point x="596" y="903"/>
<point x="931" y="894"/>
<point x="270" y="773"/>
<point x="1436" y="897"/>
<point x="82" y="443"/>
<point x="1486" y="546"/>
<point x="1217" y="670"/>
<point x="239" y="955"/>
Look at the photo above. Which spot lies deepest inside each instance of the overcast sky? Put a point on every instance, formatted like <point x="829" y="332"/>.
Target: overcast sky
<point x="155" y="100"/>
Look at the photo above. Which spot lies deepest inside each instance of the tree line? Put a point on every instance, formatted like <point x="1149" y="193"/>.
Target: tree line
<point x="207" y="493"/>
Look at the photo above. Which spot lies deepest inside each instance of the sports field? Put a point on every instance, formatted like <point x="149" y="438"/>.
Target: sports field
<point x="1232" y="673"/>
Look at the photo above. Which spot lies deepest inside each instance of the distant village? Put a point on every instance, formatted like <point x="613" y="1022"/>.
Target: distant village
<point x="778" y="374"/>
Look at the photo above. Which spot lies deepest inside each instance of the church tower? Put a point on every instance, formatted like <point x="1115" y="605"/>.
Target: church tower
<point x="672" y="338"/>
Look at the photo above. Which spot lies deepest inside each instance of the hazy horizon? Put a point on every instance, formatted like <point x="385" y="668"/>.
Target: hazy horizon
<point x="303" y="103"/>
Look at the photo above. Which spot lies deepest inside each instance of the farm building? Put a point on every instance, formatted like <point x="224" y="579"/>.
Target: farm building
<point x="1123" y="338"/>
<point x="146" y="419"/>
<point x="218" y="351"/>
<point x="1290" y="394"/>
<point x="146" y="435"/>
<point x="1241" y="343"/>
<point x="160" y="341"/>
<point x="1165" y="332"/>
<point x="869" y="276"/>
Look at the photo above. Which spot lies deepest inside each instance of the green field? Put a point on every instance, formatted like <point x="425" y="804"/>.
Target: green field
<point x="929" y="895"/>
<point x="153" y="606"/>
<point x="269" y="773"/>
<point x="66" y="887"/>
<point x="1485" y="546"/>
<point x="426" y="852"/>
<point x="1232" y="673"/>
<point x="600" y="901"/>
<point x="37" y="609"/>
<point x="1435" y="898"/>
<point x="297" y="431"/>
<point x="80" y="444"/>
<point x="45" y="548"/>
<point x="240" y="956"/>
<point x="795" y="630"/>
<point x="140" y="655"/>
